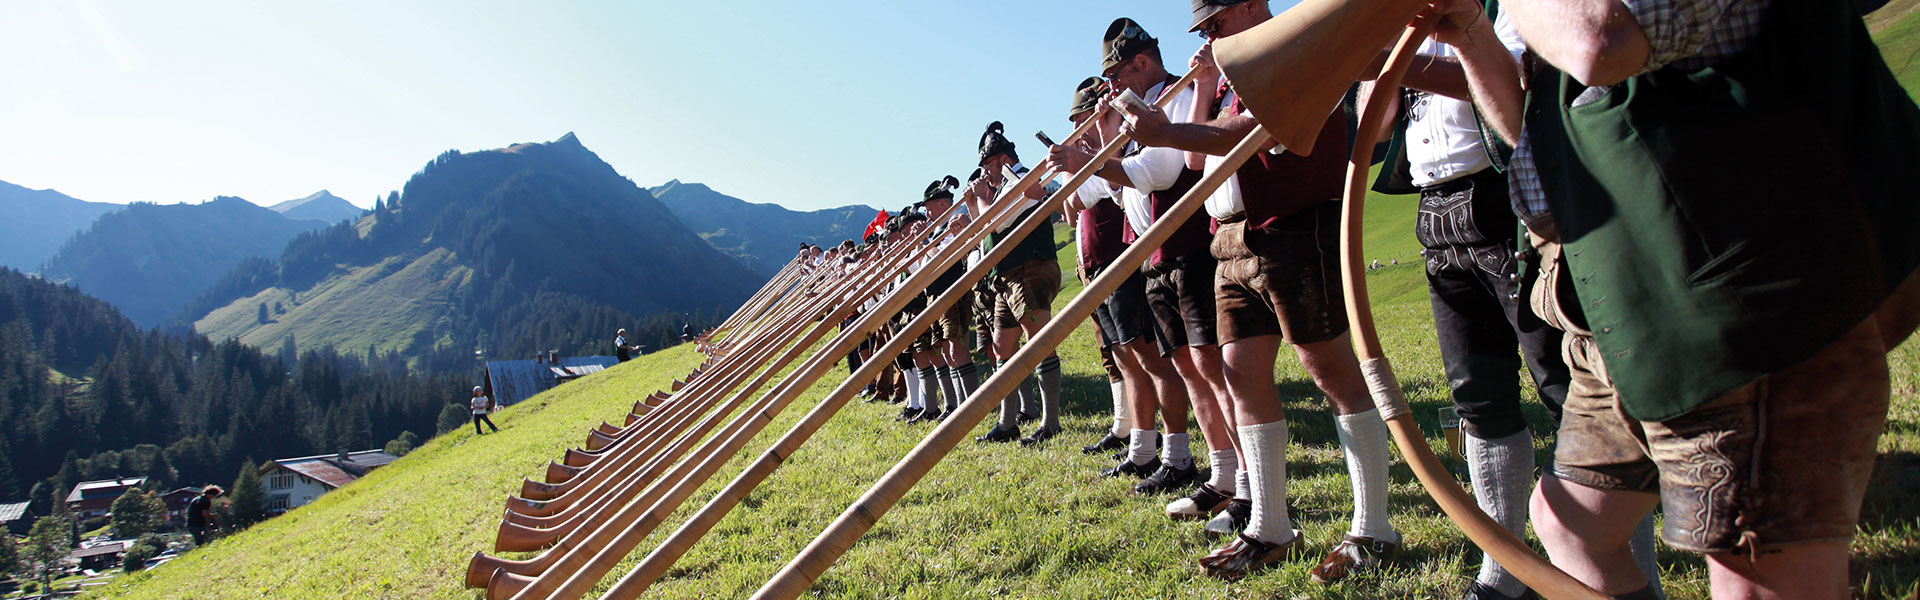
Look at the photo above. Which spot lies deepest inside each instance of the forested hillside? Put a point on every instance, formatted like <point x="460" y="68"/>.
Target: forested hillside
<point x="150" y="259"/>
<point x="85" y="394"/>
<point x="33" y="223"/>
<point x="500" y="253"/>
<point x="765" y="236"/>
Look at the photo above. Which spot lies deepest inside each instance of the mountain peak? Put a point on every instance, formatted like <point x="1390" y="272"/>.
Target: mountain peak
<point x="318" y="206"/>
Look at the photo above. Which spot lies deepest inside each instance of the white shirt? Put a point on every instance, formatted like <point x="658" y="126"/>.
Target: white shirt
<point x="1154" y="169"/>
<point x="479" y="405"/>
<point x="1025" y="202"/>
<point x="1443" y="137"/>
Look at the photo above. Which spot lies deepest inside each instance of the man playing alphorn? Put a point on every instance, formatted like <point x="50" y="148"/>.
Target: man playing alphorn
<point x="1728" y="314"/>
<point x="1024" y="284"/>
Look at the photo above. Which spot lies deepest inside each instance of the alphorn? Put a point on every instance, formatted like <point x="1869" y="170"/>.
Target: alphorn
<point x="745" y="429"/>
<point x="555" y="497"/>
<point x="656" y="563"/>
<point x="482" y="567"/>
<point x="547" y="531"/>
<point x="1255" y="62"/>
<point x="765" y="291"/>
<point x="553" y="574"/>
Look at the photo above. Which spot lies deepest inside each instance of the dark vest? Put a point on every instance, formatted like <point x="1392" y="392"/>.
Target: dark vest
<point x="1099" y="231"/>
<point x="1037" y="245"/>
<point x="1274" y="187"/>
<point x="1725" y="223"/>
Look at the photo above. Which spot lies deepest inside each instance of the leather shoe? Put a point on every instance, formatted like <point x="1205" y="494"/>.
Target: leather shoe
<point x="1110" y="442"/>
<point x="1128" y="467"/>
<point x="1354" y="554"/>
<point x="1000" y="435"/>
<point x="1039" y="435"/>
<point x="1244" y="555"/>
<point x="1480" y="591"/>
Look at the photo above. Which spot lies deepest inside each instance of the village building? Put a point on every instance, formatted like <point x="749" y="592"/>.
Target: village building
<point x="176" y="503"/>
<point x="290" y="483"/>
<point x="95" y="498"/>
<point x="100" y="556"/>
<point x="15" y="518"/>
<point x="511" y="381"/>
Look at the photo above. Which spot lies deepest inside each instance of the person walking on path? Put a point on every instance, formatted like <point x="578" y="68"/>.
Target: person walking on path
<point x="623" y="350"/>
<point x="481" y="405"/>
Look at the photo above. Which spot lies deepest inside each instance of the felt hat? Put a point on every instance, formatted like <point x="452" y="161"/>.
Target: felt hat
<point x="1124" y="39"/>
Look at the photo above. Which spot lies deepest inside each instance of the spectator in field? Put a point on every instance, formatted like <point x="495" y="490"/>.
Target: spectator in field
<point x="621" y="348"/>
<point x="481" y="405"/>
<point x="200" y="517"/>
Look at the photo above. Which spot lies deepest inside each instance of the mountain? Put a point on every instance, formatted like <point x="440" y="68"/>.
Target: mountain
<point x="321" y="206"/>
<point x="33" y="223"/>
<point x="507" y="251"/>
<point x="150" y="259"/>
<point x="765" y="236"/>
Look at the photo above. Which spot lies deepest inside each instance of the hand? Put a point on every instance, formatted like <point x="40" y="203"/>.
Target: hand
<point x="1205" y="70"/>
<point x="1068" y="159"/>
<point x="1453" y="19"/>
<point x="1149" y="127"/>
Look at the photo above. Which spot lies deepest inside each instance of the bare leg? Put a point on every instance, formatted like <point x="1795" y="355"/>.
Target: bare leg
<point x="1215" y="410"/>
<point x="1585" y="531"/>
<point x="1813" y="571"/>
<point x="1334" y="368"/>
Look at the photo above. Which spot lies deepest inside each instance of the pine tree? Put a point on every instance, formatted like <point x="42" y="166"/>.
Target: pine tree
<point x="9" y="555"/>
<point x="47" y="544"/>
<point x="137" y="512"/>
<point x="248" y="499"/>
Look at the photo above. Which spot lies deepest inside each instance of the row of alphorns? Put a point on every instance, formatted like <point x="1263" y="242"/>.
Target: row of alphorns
<point x="599" y="502"/>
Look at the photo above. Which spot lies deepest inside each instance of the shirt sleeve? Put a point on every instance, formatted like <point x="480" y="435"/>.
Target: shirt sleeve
<point x="1682" y="29"/>
<point x="1509" y="35"/>
<point x="1155" y="169"/>
<point x="1090" y="194"/>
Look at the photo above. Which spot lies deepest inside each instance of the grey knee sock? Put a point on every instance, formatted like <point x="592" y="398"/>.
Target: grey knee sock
<point x="1050" y="392"/>
<point x="946" y="386"/>
<point x="966" y="379"/>
<point x="1029" y="396"/>
<point x="1502" y="474"/>
<point x="930" y="382"/>
<point x="1009" y="406"/>
<point x="1643" y="553"/>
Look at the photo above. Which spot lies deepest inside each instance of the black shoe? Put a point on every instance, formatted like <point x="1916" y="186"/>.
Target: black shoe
<point x="907" y="414"/>
<point x="1110" y="442"/>
<point x="1233" y="520"/>
<point x="1039" y="435"/>
<point x="1128" y="467"/>
<point x="1476" y="591"/>
<point x="926" y="416"/>
<point x="1000" y="435"/>
<point x="1026" y="418"/>
<point x="942" y="416"/>
<point x="1202" y="504"/>
<point x="1168" y="479"/>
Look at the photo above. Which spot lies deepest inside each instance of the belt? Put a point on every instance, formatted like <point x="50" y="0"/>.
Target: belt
<point x="1233" y="218"/>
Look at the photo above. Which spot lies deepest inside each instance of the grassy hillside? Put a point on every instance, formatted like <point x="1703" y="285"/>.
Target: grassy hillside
<point x="989" y="521"/>
<point x="412" y="293"/>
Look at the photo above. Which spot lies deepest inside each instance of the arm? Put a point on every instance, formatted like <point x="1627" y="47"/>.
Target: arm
<point x="1492" y="73"/>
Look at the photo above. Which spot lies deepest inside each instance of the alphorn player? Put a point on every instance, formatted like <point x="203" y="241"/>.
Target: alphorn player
<point x="954" y="372"/>
<point x="1467" y="230"/>
<point x="912" y="360"/>
<point x="1179" y="277"/>
<point x="1728" y="315"/>
<point x="1279" y="282"/>
<point x="1126" y="325"/>
<point x="1024" y="284"/>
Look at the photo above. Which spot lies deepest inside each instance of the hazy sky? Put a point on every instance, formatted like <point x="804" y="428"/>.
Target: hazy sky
<point x="807" y="104"/>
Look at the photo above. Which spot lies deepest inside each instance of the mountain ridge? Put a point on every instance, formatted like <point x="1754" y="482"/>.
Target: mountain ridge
<point x="318" y="206"/>
<point x="763" y="235"/>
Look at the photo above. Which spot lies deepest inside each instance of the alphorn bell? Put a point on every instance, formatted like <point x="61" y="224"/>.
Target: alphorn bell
<point x="1290" y="72"/>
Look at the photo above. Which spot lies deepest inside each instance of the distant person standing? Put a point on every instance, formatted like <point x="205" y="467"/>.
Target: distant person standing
<point x="200" y="517"/>
<point x="621" y="348"/>
<point x="686" y="332"/>
<point x="481" y="405"/>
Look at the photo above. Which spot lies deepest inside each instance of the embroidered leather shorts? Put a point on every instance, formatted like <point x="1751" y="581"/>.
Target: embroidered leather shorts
<point x="953" y="325"/>
<point x="1281" y="280"/>
<point x="1023" y="289"/>
<point x="1783" y="460"/>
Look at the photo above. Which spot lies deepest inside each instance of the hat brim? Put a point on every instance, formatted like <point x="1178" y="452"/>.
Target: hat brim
<point x="1200" y="17"/>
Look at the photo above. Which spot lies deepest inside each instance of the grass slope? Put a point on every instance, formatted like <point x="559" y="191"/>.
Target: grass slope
<point x="990" y="521"/>
<point x="410" y="291"/>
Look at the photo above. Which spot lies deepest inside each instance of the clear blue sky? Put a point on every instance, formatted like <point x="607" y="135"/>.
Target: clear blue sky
<point x="806" y="104"/>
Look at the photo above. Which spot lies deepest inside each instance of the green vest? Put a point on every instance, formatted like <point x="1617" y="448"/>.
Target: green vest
<point x="1725" y="223"/>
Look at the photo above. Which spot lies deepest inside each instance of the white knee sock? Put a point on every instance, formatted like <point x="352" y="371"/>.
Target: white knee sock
<point x="1122" y="420"/>
<point x="1143" y="445"/>
<point x="1266" y="446"/>
<point x="1242" y="489"/>
<point x="1178" y="451"/>
<point x="1502" y="474"/>
<point x="1225" y="464"/>
<point x="1364" y="438"/>
<point x="914" y="399"/>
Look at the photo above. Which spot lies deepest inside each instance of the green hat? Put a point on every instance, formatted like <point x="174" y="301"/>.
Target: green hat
<point x="994" y="143"/>
<point x="940" y="188"/>
<point x="1124" y="39"/>
<point x="1086" y="97"/>
<point x="1205" y="9"/>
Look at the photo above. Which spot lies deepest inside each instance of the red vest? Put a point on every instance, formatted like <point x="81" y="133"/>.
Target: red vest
<point x="1274" y="187"/>
<point x="1100" y="230"/>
